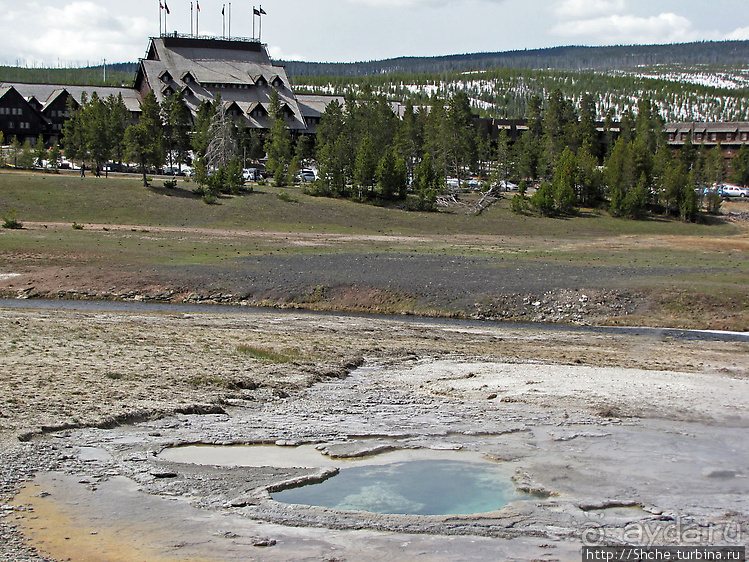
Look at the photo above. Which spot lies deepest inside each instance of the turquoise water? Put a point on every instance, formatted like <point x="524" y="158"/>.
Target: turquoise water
<point x="422" y="487"/>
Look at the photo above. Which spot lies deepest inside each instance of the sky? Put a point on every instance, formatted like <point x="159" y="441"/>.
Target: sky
<point x="81" y="32"/>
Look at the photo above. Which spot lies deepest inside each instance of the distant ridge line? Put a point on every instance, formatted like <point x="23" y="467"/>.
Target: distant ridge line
<point x="563" y="58"/>
<point x="571" y="57"/>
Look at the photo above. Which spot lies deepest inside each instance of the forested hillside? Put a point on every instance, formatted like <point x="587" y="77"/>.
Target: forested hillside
<point x="116" y="75"/>
<point x="704" y="81"/>
<point x="558" y="58"/>
<point x="678" y="93"/>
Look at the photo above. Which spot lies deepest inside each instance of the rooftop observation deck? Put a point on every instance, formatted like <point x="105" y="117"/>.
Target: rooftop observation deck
<point x="181" y="40"/>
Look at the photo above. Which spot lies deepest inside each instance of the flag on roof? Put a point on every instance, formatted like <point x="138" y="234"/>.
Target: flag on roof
<point x="262" y="11"/>
<point x="255" y="11"/>
<point x="166" y="7"/>
<point x="198" y="4"/>
<point x="222" y="9"/>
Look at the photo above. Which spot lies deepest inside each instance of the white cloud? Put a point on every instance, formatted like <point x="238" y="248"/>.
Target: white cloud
<point x="402" y="3"/>
<point x="277" y="53"/>
<point x="628" y="29"/>
<point x="418" y="3"/>
<point x="740" y="34"/>
<point x="584" y="9"/>
<point x="75" y="32"/>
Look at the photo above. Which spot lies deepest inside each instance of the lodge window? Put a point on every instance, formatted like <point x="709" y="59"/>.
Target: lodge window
<point x="698" y="136"/>
<point x="714" y="136"/>
<point x="729" y="136"/>
<point x="743" y="136"/>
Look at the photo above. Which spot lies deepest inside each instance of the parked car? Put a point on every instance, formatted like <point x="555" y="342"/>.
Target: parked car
<point x="506" y="186"/>
<point x="307" y="176"/>
<point x="251" y="174"/>
<point x="173" y="171"/>
<point x="728" y="190"/>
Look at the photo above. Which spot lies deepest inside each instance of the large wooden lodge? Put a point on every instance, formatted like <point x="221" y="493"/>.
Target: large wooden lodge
<point x="239" y="71"/>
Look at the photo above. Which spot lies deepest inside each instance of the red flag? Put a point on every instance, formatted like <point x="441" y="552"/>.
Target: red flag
<point x="198" y="3"/>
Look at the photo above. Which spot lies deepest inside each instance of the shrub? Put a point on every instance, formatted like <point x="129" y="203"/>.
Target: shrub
<point x="77" y="226"/>
<point x="288" y="198"/>
<point x="425" y="201"/>
<point x="543" y="200"/>
<point x="170" y="184"/>
<point x="518" y="204"/>
<point x="10" y="221"/>
<point x="713" y="201"/>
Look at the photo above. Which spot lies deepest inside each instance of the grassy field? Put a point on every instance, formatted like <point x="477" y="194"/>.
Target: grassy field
<point x="700" y="265"/>
<point x="123" y="200"/>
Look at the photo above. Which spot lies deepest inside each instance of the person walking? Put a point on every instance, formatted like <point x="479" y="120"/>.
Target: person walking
<point x="83" y="169"/>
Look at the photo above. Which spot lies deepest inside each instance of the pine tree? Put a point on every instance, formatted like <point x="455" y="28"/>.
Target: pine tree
<point x="94" y="115"/>
<point x="40" y="152"/>
<point x="565" y="176"/>
<point x="365" y="167"/>
<point x="54" y="155"/>
<point x="144" y="140"/>
<point x="278" y="142"/>
<point x="117" y="122"/>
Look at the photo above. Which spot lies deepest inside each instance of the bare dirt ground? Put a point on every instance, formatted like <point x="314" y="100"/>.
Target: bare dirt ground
<point x="614" y="431"/>
<point x="442" y="276"/>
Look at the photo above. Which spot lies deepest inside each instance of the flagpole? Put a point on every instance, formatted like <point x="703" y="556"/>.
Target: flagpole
<point x="197" y="20"/>
<point x="191" y="20"/>
<point x="160" y="8"/>
<point x="229" y="20"/>
<point x="253" y="21"/>
<point x="223" y="21"/>
<point x="260" y="34"/>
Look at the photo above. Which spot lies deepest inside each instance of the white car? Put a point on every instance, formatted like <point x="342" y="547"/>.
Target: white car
<point x="506" y="185"/>
<point x="307" y="175"/>
<point x="729" y="190"/>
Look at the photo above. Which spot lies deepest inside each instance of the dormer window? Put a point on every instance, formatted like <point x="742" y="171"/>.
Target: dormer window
<point x="277" y="82"/>
<point x="165" y="77"/>
<point x="258" y="111"/>
<point x="261" y="81"/>
<point x="188" y="78"/>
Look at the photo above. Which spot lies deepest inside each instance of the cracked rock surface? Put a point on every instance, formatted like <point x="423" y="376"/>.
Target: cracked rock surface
<point x="611" y="433"/>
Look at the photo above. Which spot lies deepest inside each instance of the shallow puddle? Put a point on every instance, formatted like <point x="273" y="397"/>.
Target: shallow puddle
<point x="404" y="481"/>
<point x="425" y="487"/>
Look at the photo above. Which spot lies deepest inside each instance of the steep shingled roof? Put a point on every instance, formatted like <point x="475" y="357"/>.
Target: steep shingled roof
<point x="47" y="93"/>
<point x="238" y="71"/>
